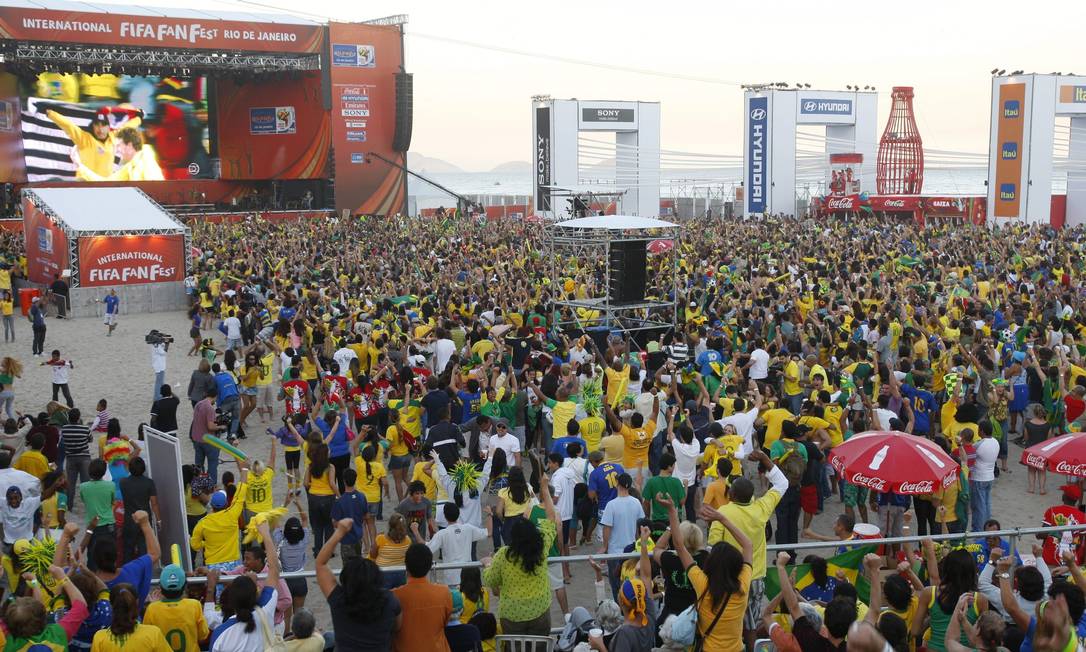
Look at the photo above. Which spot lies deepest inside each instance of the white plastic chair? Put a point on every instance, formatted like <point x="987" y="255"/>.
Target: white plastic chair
<point x="524" y="643"/>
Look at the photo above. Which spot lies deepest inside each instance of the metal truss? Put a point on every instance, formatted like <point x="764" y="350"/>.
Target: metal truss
<point x="143" y="61"/>
<point x="592" y="248"/>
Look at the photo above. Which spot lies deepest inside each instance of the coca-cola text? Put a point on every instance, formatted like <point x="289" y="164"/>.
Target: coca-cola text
<point x="875" y="484"/>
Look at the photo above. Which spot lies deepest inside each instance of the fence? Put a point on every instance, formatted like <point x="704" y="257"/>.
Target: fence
<point x="1011" y="534"/>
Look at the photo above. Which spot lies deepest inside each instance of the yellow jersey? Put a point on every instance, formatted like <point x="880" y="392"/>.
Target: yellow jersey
<point x="145" y="638"/>
<point x="259" y="499"/>
<point x="636" y="442"/>
<point x="369" y="483"/>
<point x="181" y="622"/>
<point x="592" y="431"/>
<point x="217" y="533"/>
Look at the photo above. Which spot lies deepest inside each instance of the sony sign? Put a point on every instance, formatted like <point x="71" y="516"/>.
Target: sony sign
<point x="542" y="159"/>
<point x="757" y="128"/>
<point x="596" y="114"/>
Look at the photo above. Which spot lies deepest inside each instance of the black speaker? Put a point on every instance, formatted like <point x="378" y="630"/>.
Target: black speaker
<point x="401" y="138"/>
<point x="627" y="272"/>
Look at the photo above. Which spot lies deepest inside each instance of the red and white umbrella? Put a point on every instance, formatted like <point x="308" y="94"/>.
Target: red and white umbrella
<point x="1065" y="454"/>
<point x="885" y="461"/>
<point x="660" y="246"/>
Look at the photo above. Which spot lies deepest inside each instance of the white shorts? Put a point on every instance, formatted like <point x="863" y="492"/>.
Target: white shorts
<point x="554" y="574"/>
<point x="110" y="319"/>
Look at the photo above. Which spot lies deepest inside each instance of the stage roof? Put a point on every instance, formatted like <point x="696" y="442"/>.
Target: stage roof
<point x="616" y="223"/>
<point x="87" y="210"/>
<point x="158" y="12"/>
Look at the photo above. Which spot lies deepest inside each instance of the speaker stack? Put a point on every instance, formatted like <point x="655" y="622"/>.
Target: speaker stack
<point x="401" y="138"/>
<point x="627" y="262"/>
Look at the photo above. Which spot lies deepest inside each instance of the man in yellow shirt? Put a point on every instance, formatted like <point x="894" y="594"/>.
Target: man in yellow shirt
<point x="793" y="393"/>
<point x="181" y="619"/>
<point x="138" y="160"/>
<point x="637" y="438"/>
<point x="592" y="428"/>
<point x="95" y="148"/>
<point x="32" y="461"/>
<point x="774" y="419"/>
<point x="217" y="533"/>
<point x="750" y="516"/>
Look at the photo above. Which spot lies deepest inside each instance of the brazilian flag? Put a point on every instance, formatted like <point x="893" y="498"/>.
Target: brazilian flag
<point x="851" y="563"/>
<point x="406" y="299"/>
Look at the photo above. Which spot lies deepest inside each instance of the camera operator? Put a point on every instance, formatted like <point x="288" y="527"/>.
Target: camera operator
<point x="160" y="345"/>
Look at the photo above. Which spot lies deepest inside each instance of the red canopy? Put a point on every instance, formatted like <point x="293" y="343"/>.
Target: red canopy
<point x="894" y="462"/>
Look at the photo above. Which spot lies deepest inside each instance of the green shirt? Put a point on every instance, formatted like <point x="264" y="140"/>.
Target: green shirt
<point x="524" y="596"/>
<point x="778" y="449"/>
<point x="664" y="484"/>
<point x="98" y="495"/>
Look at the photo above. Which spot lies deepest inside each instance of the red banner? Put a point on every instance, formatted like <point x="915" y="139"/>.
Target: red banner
<point x="363" y="67"/>
<point x="131" y="259"/>
<point x="842" y="158"/>
<point x="846" y="203"/>
<point x="892" y="203"/>
<point x="46" y="245"/>
<point x="952" y="206"/>
<point x="57" y="26"/>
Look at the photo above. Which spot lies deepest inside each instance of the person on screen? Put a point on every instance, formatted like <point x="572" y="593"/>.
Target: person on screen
<point x="96" y="146"/>
<point x="138" y="161"/>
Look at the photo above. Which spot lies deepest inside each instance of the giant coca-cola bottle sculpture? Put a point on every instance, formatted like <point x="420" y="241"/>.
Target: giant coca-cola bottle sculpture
<point x="900" y="168"/>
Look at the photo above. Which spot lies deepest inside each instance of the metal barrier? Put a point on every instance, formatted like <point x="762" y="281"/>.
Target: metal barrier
<point x="1011" y="534"/>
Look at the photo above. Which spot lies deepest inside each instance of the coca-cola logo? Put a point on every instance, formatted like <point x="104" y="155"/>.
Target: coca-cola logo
<point x="861" y="480"/>
<point x="1036" y="461"/>
<point x="921" y="487"/>
<point x="1071" y="469"/>
<point x="895" y="203"/>
<point x="840" y="202"/>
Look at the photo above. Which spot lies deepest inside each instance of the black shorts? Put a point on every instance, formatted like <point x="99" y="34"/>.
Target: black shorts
<point x="299" y="587"/>
<point x="293" y="458"/>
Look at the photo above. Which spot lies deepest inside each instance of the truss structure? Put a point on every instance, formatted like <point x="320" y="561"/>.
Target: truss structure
<point x="71" y="58"/>
<point x="592" y="247"/>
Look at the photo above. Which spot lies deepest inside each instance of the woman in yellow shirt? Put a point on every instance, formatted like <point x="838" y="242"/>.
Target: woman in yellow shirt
<point x="390" y="550"/>
<point x="372" y="484"/>
<point x="514" y="500"/>
<point x="7" y="309"/>
<point x="250" y="378"/>
<point x="320" y="482"/>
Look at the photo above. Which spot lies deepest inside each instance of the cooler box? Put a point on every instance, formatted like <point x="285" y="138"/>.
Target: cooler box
<point x="26" y="297"/>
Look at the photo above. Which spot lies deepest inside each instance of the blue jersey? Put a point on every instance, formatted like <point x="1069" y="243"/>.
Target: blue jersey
<point x="111" y="304"/>
<point x="923" y="405"/>
<point x="706" y="359"/>
<point x="604" y="481"/>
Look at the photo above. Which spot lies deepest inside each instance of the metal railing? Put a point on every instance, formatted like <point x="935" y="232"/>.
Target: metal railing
<point x="1012" y="535"/>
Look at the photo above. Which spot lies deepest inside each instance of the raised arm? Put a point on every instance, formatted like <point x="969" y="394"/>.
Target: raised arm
<point x="325" y="578"/>
<point x="144" y="522"/>
<point x="789" y="593"/>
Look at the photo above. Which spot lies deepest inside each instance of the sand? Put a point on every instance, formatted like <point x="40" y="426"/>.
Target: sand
<point x="118" y="368"/>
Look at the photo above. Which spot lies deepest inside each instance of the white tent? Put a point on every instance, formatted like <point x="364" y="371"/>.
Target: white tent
<point x="616" y="223"/>
<point x="90" y="210"/>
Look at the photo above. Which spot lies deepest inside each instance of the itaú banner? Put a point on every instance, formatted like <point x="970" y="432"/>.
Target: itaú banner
<point x="131" y="259"/>
<point x="27" y="24"/>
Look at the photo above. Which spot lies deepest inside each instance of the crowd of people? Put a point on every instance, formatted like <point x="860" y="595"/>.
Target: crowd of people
<point x="433" y="400"/>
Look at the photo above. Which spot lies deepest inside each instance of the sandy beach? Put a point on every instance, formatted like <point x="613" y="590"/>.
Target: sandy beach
<point x="118" y="368"/>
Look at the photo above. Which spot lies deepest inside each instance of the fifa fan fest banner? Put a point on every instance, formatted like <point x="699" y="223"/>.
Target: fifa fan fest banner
<point x="363" y="65"/>
<point x="46" y="245"/>
<point x="25" y="23"/>
<point x="273" y="130"/>
<point x="131" y="259"/>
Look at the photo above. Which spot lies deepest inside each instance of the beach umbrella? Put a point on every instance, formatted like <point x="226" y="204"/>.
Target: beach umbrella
<point x="660" y="246"/>
<point x="1065" y="454"/>
<point x="893" y="461"/>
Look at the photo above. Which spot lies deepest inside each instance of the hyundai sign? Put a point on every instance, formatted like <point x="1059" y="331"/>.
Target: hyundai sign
<point x="818" y="106"/>
<point x="757" y="125"/>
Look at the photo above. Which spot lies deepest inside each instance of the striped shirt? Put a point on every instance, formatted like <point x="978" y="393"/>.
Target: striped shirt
<point x="76" y="440"/>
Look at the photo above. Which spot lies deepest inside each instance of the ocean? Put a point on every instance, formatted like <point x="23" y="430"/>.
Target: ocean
<point x="956" y="181"/>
